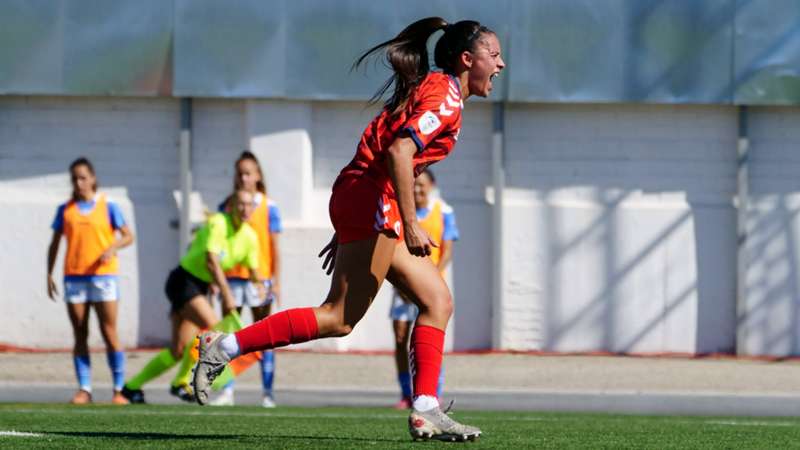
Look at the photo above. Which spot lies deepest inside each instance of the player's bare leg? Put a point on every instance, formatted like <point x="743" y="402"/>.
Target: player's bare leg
<point x="422" y="283"/>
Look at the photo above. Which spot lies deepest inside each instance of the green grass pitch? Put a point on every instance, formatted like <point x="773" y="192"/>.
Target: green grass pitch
<point x="159" y="427"/>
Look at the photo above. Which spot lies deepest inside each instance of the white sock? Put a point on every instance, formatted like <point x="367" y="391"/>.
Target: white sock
<point x="425" y="402"/>
<point x="230" y="346"/>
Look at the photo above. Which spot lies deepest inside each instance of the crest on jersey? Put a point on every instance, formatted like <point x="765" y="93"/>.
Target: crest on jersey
<point x="428" y="123"/>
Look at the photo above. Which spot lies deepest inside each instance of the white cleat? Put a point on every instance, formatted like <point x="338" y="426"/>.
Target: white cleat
<point x="225" y="398"/>
<point x="268" y="402"/>
<point x="436" y="424"/>
<point x="211" y="363"/>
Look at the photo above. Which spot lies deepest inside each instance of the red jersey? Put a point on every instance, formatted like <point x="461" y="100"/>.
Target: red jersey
<point x="432" y="117"/>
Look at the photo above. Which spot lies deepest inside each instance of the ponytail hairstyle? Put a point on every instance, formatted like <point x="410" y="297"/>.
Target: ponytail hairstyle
<point x="247" y="155"/>
<point x="82" y="161"/>
<point x="407" y="54"/>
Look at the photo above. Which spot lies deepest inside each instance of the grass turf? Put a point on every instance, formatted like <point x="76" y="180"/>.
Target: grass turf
<point x="154" y="426"/>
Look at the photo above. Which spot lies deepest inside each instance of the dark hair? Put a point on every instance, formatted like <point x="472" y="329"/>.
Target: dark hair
<point x="82" y="161"/>
<point x="407" y="54"/>
<point x="429" y="173"/>
<point x="247" y="155"/>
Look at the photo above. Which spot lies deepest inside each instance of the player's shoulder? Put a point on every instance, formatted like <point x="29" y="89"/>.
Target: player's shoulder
<point x="217" y="219"/>
<point x="444" y="206"/>
<point x="438" y="82"/>
<point x="249" y="231"/>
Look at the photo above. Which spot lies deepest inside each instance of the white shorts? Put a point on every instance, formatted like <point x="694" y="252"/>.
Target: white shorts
<point x="98" y="288"/>
<point x="245" y="293"/>
<point x="402" y="310"/>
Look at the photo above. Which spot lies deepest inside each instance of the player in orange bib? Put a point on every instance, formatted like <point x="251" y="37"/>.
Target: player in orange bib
<point x="372" y="210"/>
<point x="437" y="219"/>
<point x="94" y="229"/>
<point x="266" y="221"/>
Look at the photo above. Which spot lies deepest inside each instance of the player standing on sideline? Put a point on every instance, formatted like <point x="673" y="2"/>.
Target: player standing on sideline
<point x="223" y="242"/>
<point x="438" y="220"/>
<point x="372" y="211"/>
<point x="266" y="221"/>
<point x="89" y="222"/>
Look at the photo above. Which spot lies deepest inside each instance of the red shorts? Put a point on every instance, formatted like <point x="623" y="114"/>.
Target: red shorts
<point x="359" y="210"/>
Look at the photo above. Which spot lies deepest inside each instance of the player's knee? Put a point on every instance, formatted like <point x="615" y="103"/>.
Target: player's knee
<point x="442" y="305"/>
<point x="177" y="351"/>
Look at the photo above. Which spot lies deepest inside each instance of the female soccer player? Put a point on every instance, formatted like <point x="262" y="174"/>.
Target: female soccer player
<point x="223" y="242"/>
<point x="372" y="210"/>
<point x="438" y="220"/>
<point x="90" y="222"/>
<point x="266" y="221"/>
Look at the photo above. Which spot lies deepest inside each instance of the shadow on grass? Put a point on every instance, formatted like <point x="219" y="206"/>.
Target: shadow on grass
<point x="145" y="436"/>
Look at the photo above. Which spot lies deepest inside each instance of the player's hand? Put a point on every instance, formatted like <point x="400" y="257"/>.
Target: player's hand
<point x="213" y="290"/>
<point x="329" y="251"/>
<point x="107" y="255"/>
<point x="418" y="241"/>
<point x="261" y="291"/>
<point x="52" y="290"/>
<point x="275" y="293"/>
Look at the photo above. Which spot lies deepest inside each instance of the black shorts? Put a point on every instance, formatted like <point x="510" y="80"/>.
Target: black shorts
<point x="182" y="286"/>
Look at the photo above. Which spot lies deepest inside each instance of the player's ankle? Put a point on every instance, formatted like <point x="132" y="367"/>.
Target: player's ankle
<point x="230" y="346"/>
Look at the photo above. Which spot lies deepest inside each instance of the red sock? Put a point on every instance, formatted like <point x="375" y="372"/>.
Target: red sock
<point x="287" y="327"/>
<point x="425" y="358"/>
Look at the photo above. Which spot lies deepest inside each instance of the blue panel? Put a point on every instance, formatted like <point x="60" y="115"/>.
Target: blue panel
<point x="767" y="68"/>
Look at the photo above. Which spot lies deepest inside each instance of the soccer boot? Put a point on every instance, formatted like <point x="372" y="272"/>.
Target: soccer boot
<point x="211" y="363"/>
<point x="118" y="399"/>
<point x="183" y="392"/>
<point x="81" y="398"/>
<point x="268" y="402"/>
<point x="225" y="398"/>
<point x="436" y="424"/>
<point x="135" y="396"/>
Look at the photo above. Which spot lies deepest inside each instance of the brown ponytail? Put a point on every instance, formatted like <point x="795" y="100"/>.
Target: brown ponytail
<point x="407" y="54"/>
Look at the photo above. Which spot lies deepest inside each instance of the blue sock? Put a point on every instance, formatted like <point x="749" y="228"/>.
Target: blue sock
<point x="116" y="362"/>
<point x="440" y="384"/>
<point x="404" y="378"/>
<point x="267" y="371"/>
<point x="83" y="371"/>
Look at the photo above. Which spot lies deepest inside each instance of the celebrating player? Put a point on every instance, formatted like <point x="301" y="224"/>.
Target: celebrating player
<point x="223" y="242"/>
<point x="90" y="221"/>
<point x="372" y="210"/>
<point x="438" y="220"/>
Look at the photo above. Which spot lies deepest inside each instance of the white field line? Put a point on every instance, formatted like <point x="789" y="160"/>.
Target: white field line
<point x="788" y="395"/>
<point x="398" y="416"/>
<point x="12" y="433"/>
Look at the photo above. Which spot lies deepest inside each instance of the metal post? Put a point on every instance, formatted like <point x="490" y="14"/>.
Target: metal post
<point x="185" y="157"/>
<point x="742" y="200"/>
<point x="498" y="183"/>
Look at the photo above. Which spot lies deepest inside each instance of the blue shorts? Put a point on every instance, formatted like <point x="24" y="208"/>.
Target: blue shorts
<point x="402" y="310"/>
<point x="245" y="293"/>
<point x="91" y="288"/>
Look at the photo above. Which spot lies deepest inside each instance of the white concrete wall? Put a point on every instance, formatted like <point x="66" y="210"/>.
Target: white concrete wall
<point x="132" y="143"/>
<point x="770" y="320"/>
<point x="619" y="228"/>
